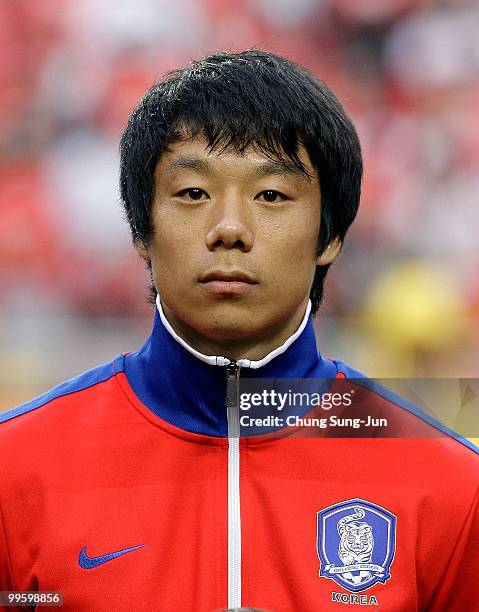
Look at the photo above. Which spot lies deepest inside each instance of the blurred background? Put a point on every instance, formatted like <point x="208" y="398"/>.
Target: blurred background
<point x="402" y="300"/>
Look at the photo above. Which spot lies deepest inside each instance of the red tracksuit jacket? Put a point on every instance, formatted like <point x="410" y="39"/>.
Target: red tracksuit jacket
<point x="128" y="488"/>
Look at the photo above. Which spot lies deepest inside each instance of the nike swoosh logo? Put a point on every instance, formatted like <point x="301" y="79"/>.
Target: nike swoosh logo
<point x="87" y="562"/>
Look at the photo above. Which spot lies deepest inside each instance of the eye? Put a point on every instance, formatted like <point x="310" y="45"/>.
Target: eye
<point x="192" y="193"/>
<point x="271" y="195"/>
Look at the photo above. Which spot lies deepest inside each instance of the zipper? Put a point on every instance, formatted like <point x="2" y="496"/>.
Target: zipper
<point x="234" y="514"/>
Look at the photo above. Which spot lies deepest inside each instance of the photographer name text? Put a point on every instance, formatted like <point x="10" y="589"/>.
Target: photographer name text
<point x="321" y="423"/>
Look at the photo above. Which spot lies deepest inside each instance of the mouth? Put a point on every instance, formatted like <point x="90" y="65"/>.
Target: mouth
<point x="228" y="283"/>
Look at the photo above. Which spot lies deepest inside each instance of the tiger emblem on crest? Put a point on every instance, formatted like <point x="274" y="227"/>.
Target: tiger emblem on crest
<point x="356" y="543"/>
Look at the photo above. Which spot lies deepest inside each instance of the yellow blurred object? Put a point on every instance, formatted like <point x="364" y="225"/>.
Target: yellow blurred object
<point x="415" y="305"/>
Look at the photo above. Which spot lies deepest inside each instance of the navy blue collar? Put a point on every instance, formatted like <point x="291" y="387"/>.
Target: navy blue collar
<point x="185" y="391"/>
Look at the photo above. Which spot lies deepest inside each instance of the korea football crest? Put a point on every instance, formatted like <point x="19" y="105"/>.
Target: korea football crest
<point x="356" y="543"/>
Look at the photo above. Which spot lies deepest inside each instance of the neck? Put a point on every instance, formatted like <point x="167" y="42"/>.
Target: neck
<point x="250" y="348"/>
<point x="187" y="388"/>
<point x="220" y="354"/>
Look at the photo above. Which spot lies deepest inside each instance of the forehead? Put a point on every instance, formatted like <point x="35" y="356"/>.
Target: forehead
<point x="195" y="154"/>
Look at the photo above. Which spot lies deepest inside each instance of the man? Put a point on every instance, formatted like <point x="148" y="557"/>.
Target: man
<point x="129" y="487"/>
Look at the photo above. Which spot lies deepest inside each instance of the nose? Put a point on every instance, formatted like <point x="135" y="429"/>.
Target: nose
<point x="230" y="226"/>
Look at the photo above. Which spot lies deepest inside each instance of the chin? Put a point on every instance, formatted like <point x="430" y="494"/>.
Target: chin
<point x="238" y="318"/>
<point x="228" y="327"/>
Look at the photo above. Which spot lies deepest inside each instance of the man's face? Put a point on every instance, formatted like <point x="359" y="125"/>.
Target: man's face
<point x="233" y="252"/>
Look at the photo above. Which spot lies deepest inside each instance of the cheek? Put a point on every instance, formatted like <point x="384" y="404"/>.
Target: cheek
<point x="290" y="275"/>
<point x="291" y="250"/>
<point x="172" y="247"/>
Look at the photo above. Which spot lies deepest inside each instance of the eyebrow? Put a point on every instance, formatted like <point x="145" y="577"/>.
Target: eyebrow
<point x="203" y="166"/>
<point x="278" y="168"/>
<point x="268" y="168"/>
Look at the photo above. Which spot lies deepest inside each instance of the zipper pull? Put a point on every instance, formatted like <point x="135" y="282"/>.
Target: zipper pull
<point x="232" y="398"/>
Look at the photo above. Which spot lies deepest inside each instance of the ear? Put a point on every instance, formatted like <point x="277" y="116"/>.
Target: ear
<point x="142" y="250"/>
<point x="330" y="253"/>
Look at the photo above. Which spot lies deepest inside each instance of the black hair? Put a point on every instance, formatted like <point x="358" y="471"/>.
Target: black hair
<point x="239" y="100"/>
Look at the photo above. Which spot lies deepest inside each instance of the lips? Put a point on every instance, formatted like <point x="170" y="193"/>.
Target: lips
<point x="221" y="284"/>
<point x="235" y="276"/>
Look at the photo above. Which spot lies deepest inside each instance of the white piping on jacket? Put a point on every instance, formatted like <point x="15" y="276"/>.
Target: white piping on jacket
<point x="234" y="498"/>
